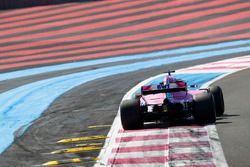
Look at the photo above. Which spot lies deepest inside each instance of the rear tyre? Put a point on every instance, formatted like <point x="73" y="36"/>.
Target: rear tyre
<point x="204" y="108"/>
<point x="131" y="116"/>
<point x="218" y="98"/>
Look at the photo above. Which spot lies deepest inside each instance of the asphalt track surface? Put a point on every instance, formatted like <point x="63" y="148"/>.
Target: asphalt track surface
<point x="233" y="128"/>
<point x="97" y="102"/>
<point x="72" y="113"/>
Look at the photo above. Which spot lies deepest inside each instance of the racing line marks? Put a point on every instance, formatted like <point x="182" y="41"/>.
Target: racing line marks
<point x="69" y="161"/>
<point x="98" y="126"/>
<point x="80" y="147"/>
<point x="76" y="150"/>
<point x="78" y="139"/>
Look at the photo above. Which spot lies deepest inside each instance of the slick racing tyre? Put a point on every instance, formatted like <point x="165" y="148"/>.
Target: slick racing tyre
<point x="131" y="116"/>
<point x="204" y="108"/>
<point x="218" y="98"/>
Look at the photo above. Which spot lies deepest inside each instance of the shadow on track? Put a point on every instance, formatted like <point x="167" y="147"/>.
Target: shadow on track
<point x="186" y="122"/>
<point x="222" y="119"/>
<point x="15" y="4"/>
<point x="173" y="123"/>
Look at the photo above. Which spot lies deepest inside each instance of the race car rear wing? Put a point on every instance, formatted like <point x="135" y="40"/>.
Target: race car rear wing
<point x="163" y="90"/>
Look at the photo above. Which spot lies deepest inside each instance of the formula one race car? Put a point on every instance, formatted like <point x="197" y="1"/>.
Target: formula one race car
<point x="171" y="99"/>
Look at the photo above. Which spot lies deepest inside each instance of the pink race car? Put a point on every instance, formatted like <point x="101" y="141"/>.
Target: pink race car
<point x="171" y="99"/>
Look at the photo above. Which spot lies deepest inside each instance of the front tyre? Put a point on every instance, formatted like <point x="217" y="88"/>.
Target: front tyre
<point x="218" y="98"/>
<point x="204" y="108"/>
<point x="131" y="117"/>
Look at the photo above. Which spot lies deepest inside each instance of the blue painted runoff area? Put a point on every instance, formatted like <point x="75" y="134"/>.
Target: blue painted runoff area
<point x="19" y="107"/>
<point x="182" y="54"/>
